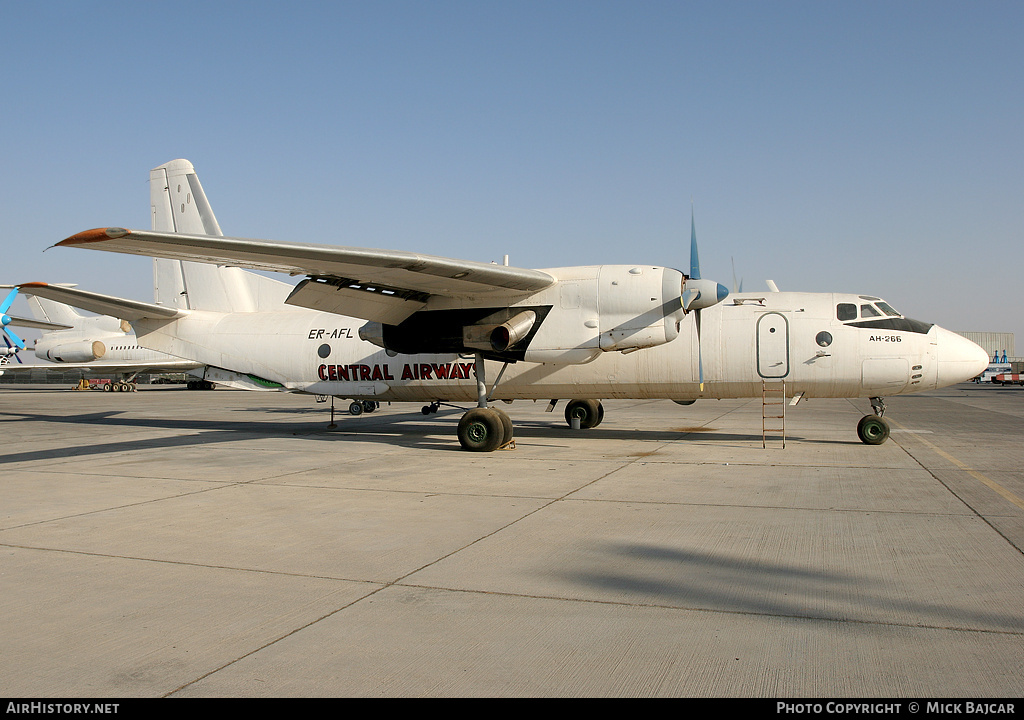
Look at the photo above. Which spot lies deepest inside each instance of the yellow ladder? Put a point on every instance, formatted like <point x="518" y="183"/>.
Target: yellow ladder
<point x="773" y="411"/>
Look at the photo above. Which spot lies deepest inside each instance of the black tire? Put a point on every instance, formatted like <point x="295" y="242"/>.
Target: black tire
<point x="481" y="430"/>
<point x="590" y="413"/>
<point x="872" y="430"/>
<point x="355" y="408"/>
<point x="506" y="424"/>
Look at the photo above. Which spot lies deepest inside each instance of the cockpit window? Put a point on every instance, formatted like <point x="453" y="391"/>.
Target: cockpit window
<point x="869" y="311"/>
<point x="846" y="311"/>
<point x="887" y="308"/>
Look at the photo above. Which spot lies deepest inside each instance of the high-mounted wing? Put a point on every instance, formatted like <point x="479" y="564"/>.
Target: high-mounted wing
<point x="381" y="285"/>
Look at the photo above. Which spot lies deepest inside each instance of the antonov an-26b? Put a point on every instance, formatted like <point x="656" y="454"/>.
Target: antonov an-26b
<point x="379" y="325"/>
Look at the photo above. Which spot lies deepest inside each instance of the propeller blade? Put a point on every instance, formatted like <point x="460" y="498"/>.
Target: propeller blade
<point x="699" y="293"/>
<point x="9" y="347"/>
<point x="694" y="259"/>
<point x="7" y="301"/>
<point x="736" y="287"/>
<point x="4" y="318"/>
<point x="17" y="340"/>
<point x="700" y="354"/>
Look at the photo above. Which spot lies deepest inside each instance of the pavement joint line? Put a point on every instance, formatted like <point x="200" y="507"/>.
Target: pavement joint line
<point x="398" y="581"/>
<point x="990" y="483"/>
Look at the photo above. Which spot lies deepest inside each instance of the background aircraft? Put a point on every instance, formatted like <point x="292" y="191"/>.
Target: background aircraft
<point x="386" y="325"/>
<point x="99" y="345"/>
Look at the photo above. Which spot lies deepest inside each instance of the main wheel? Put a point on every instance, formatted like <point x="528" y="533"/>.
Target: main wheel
<point x="355" y="408"/>
<point x="589" y="412"/>
<point x="872" y="430"/>
<point x="481" y="430"/>
<point x="506" y="424"/>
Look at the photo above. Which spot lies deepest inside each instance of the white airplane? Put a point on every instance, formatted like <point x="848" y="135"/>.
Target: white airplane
<point x="380" y="325"/>
<point x="93" y="344"/>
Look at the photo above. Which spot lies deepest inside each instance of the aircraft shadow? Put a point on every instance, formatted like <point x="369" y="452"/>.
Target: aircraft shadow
<point x="702" y="579"/>
<point x="413" y="429"/>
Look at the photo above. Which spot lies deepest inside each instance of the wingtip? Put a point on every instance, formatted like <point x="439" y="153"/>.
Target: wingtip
<point x="94" y="235"/>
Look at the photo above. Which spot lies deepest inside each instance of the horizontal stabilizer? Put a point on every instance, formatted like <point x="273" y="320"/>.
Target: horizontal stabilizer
<point x="36" y="324"/>
<point x="103" y="304"/>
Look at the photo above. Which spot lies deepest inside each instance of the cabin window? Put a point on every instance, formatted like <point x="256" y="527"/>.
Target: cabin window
<point x="869" y="311"/>
<point x="846" y="311"/>
<point x="886" y="308"/>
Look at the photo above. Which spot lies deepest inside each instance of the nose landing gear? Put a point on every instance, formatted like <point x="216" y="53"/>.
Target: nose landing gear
<point x="873" y="429"/>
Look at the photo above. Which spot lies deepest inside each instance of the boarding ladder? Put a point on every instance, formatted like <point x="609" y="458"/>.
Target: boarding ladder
<point x="773" y="411"/>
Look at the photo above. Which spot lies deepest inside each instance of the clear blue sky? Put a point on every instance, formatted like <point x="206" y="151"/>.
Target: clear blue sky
<point x="873" y="147"/>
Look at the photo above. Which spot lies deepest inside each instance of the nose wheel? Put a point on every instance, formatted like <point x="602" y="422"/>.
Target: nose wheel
<point x="873" y="429"/>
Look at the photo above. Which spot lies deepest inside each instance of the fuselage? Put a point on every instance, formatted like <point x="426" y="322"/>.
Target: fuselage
<point x="819" y="344"/>
<point x="99" y="339"/>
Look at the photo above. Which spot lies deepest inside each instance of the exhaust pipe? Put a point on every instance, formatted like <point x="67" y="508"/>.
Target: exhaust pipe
<point x="509" y="333"/>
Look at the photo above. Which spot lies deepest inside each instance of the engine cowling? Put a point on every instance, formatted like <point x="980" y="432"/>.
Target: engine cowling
<point x="84" y="351"/>
<point x="638" y="307"/>
<point x="595" y="309"/>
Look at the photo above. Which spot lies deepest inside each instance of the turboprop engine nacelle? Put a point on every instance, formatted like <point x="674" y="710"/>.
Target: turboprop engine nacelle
<point x="83" y="351"/>
<point x="608" y="308"/>
<point x="638" y="307"/>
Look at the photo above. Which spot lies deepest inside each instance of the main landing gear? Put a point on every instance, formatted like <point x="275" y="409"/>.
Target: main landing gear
<point x="590" y="413"/>
<point x="873" y="429"/>
<point x="358" y="407"/>
<point x="485" y="428"/>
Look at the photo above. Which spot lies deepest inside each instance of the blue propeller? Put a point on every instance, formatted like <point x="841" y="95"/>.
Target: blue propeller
<point x="5" y="319"/>
<point x="12" y="350"/>
<point x="699" y="294"/>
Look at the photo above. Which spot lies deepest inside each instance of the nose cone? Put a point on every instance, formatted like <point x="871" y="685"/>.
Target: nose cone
<point x="959" y="359"/>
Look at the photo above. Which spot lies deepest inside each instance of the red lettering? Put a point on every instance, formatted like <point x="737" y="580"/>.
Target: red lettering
<point x="376" y="373"/>
<point x="441" y="371"/>
<point x="407" y="372"/>
<point x="425" y="372"/>
<point x="343" y="372"/>
<point x="387" y="373"/>
<point x="321" y="372"/>
<point x="364" y="372"/>
<point x="332" y="371"/>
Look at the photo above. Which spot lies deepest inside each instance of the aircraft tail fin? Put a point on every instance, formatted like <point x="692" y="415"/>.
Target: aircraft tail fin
<point x="52" y="311"/>
<point x="179" y="204"/>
